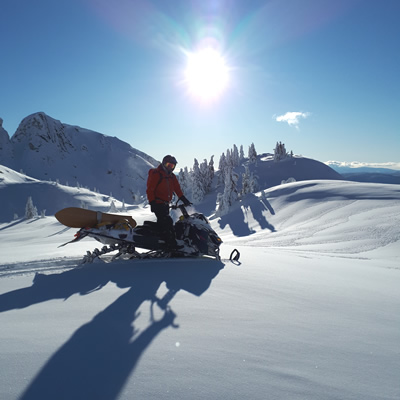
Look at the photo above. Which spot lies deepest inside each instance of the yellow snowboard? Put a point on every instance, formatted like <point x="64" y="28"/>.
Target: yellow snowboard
<point x="75" y="217"/>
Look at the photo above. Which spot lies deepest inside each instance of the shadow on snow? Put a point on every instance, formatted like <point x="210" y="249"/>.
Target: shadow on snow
<point x="236" y="218"/>
<point x="97" y="360"/>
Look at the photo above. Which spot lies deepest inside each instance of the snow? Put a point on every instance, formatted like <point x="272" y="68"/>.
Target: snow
<point x="50" y="150"/>
<point x="311" y="311"/>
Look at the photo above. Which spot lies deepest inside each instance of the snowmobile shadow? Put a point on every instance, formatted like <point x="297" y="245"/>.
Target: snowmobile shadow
<point x="100" y="356"/>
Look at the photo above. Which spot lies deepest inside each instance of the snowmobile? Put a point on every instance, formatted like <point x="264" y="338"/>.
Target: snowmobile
<point x="194" y="237"/>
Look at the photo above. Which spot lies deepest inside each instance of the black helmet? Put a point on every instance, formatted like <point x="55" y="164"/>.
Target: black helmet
<point x="169" y="162"/>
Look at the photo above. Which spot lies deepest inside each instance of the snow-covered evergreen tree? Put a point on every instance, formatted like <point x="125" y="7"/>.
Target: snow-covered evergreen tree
<point x="222" y="207"/>
<point x="231" y="191"/>
<point x="252" y="153"/>
<point x="204" y="175"/>
<point x="289" y="180"/>
<point x="230" y="194"/>
<point x="207" y="174"/>
<point x="222" y="168"/>
<point x="222" y="162"/>
<point x="211" y="171"/>
<point x="235" y="156"/>
<point x="30" y="209"/>
<point x="246" y="181"/>
<point x="249" y="182"/>
<point x="280" y="152"/>
<point x="113" y="208"/>
<point x="253" y="183"/>
<point x="185" y="181"/>
<point x="229" y="161"/>
<point x="241" y="154"/>
<point x="198" y="191"/>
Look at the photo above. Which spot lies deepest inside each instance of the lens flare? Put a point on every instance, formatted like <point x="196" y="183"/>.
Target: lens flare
<point x="206" y="74"/>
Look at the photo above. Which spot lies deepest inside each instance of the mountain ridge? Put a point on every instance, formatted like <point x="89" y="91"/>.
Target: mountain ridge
<point x="48" y="149"/>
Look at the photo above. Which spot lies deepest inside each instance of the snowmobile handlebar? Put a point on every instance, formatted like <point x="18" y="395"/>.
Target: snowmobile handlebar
<point x="181" y="207"/>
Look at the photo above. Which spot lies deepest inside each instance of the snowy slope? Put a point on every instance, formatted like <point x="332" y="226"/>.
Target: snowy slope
<point x="47" y="196"/>
<point x="319" y="216"/>
<point x="48" y="149"/>
<point x="310" y="313"/>
<point x="271" y="173"/>
<point x="52" y="196"/>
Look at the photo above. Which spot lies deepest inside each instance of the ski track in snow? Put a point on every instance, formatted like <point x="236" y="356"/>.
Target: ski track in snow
<point x="39" y="266"/>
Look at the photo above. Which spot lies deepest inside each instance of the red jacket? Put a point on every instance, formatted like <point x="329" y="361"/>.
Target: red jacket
<point x="161" y="186"/>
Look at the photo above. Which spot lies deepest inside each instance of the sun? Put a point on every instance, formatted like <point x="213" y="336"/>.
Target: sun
<point x="206" y="74"/>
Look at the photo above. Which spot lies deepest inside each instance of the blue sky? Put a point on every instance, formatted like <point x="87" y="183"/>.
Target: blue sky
<point x="321" y="76"/>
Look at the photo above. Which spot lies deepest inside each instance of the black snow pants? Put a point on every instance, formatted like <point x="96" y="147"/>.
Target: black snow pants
<point x="165" y="223"/>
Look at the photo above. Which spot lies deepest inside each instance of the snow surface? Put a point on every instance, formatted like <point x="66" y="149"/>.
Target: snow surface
<point x="311" y="311"/>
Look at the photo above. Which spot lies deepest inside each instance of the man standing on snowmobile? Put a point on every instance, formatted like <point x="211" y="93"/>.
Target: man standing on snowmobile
<point x="161" y="186"/>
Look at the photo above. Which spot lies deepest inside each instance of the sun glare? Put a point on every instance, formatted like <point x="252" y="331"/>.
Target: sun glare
<point x="206" y="74"/>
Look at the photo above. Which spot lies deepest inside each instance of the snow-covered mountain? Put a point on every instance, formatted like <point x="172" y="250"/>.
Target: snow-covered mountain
<point x="357" y="167"/>
<point x="356" y="173"/>
<point x="373" y="177"/>
<point x="47" y="149"/>
<point x="271" y="173"/>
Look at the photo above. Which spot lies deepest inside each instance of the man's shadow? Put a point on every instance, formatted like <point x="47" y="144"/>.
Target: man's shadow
<point x="97" y="360"/>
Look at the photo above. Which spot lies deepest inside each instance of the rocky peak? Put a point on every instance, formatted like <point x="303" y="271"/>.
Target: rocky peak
<point x="48" y="149"/>
<point x="39" y="129"/>
<point x="5" y="143"/>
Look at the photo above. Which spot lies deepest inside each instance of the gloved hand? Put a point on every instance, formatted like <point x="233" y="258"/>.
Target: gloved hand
<point x="185" y="201"/>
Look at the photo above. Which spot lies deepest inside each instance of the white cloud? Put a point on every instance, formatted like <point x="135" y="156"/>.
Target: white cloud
<point x="292" y="117"/>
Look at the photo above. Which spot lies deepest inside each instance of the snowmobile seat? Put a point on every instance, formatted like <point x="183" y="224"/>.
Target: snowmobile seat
<point x="151" y="224"/>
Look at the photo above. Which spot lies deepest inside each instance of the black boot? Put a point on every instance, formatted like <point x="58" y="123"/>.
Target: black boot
<point x="170" y="240"/>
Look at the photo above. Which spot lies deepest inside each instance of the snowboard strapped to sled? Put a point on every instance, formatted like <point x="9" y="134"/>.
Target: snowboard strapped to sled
<point x="194" y="235"/>
<point x="75" y="217"/>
